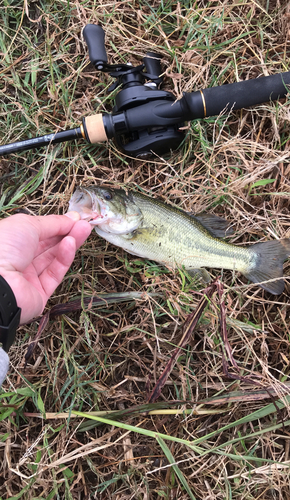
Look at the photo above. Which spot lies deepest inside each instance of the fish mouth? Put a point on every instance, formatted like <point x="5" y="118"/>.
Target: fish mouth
<point x="96" y="212"/>
<point x="91" y="208"/>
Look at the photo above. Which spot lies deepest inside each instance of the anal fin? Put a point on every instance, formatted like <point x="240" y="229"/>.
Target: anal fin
<point x="200" y="273"/>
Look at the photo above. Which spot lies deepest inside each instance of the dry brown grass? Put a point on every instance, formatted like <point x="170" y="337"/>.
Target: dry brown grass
<point x="110" y="358"/>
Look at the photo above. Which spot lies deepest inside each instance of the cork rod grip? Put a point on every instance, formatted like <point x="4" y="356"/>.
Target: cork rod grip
<point x="94" y="129"/>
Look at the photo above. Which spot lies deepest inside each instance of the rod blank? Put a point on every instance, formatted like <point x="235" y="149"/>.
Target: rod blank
<point x="38" y="142"/>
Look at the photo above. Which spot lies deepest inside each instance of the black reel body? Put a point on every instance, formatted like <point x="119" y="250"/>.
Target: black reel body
<point x="139" y="85"/>
<point x="142" y="143"/>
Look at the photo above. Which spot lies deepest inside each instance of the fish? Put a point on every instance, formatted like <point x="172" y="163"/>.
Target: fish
<point x="149" y="228"/>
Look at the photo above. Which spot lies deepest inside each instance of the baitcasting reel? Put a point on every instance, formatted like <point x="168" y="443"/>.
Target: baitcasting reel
<point x="139" y="86"/>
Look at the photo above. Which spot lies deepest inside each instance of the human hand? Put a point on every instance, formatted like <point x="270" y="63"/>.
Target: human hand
<point x="35" y="254"/>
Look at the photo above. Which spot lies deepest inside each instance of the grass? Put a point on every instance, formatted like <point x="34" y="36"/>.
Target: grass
<point x="75" y="423"/>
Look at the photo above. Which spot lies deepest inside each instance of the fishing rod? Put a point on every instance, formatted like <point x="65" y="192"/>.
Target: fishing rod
<point x="146" y="119"/>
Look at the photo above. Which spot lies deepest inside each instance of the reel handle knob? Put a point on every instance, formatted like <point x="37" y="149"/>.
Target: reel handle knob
<point x="94" y="36"/>
<point x="152" y="62"/>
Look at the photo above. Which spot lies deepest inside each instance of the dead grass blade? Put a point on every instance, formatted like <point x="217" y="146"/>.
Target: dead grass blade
<point x="188" y="329"/>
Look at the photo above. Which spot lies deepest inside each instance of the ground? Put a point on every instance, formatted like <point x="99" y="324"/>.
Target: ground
<point x="219" y="427"/>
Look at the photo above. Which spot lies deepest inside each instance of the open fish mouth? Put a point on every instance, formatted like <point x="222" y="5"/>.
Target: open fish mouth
<point x="89" y="207"/>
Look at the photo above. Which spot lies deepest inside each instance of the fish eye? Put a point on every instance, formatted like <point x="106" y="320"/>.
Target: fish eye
<point x="107" y="195"/>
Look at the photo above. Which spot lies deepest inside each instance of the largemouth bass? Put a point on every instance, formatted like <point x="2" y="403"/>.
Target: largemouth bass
<point x="151" y="229"/>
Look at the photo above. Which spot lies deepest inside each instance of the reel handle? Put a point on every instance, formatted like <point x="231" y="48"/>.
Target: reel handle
<point x="94" y="36"/>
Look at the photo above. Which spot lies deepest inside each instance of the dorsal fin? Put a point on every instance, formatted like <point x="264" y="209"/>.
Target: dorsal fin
<point x="217" y="226"/>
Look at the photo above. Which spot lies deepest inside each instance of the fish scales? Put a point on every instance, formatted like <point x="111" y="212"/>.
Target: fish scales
<point x="171" y="236"/>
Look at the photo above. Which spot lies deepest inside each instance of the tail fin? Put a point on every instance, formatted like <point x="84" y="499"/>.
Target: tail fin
<point x="269" y="258"/>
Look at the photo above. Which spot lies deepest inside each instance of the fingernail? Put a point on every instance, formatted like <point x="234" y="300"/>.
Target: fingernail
<point x="73" y="215"/>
